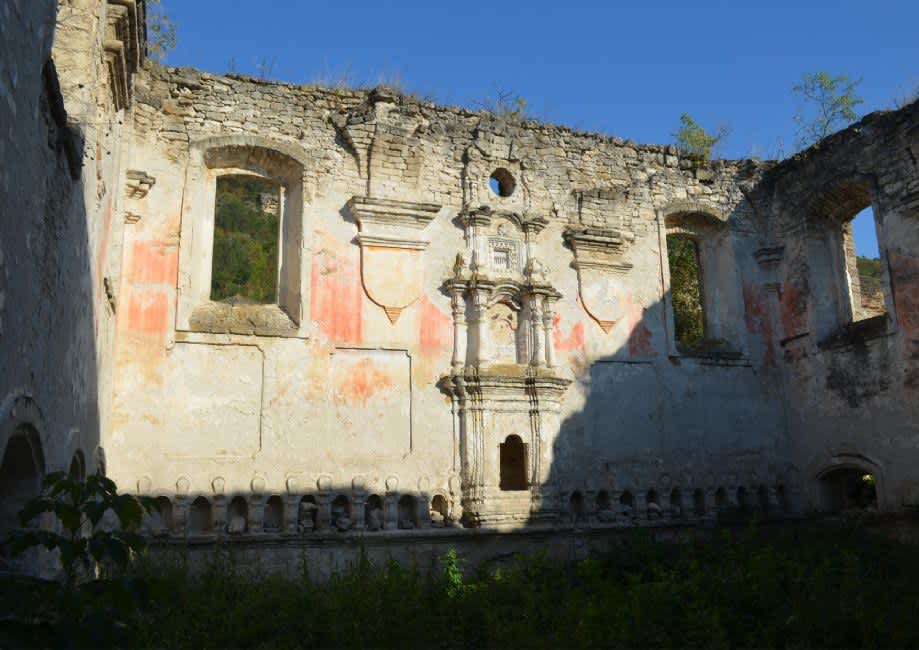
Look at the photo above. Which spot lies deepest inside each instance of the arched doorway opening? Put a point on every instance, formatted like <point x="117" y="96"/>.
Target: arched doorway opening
<point x="513" y="464"/>
<point x="848" y="488"/>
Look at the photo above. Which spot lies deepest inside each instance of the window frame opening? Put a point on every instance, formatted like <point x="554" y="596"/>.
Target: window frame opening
<point x="685" y="319"/>
<point x="848" y="489"/>
<point x="512" y="464"/>
<point x="274" y="265"/>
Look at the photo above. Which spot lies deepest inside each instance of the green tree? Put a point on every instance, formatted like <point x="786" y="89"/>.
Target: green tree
<point x="161" y="31"/>
<point x="829" y="105"/>
<point x="695" y="141"/>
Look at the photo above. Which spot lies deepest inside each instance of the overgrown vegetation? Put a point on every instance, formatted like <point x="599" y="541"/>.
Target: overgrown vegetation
<point x="94" y="599"/>
<point x="695" y="141"/>
<point x="246" y="229"/>
<point x="754" y="587"/>
<point x="828" y="105"/>
<point x="686" y="291"/>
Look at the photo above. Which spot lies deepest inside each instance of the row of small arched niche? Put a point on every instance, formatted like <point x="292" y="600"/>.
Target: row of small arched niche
<point x="607" y="506"/>
<point x="294" y="514"/>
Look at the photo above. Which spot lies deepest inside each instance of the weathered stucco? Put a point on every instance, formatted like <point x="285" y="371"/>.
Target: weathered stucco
<point x="423" y="318"/>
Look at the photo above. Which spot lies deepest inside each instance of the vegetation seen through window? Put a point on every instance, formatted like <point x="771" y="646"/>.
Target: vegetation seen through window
<point x="686" y="291"/>
<point x="246" y="220"/>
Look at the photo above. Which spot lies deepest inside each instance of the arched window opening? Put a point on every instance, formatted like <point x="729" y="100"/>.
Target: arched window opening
<point x="513" y="464"/>
<point x="847" y="271"/>
<point x="439" y="510"/>
<point x="408" y="512"/>
<point x="20" y="480"/>
<point x="576" y="506"/>
<point x="246" y="233"/>
<point x="273" y="520"/>
<point x="698" y="503"/>
<point x="200" y="520"/>
<point x="686" y="291"/>
<point x="77" y="469"/>
<point x="721" y="499"/>
<point x="676" y="503"/>
<point x="848" y="489"/>
<point x="627" y="504"/>
<point x="341" y="513"/>
<point x="238" y="516"/>
<point x="373" y="513"/>
<point x="161" y="517"/>
<point x="306" y="514"/>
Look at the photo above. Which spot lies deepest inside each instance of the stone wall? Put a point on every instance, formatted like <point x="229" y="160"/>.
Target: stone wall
<point x="441" y="352"/>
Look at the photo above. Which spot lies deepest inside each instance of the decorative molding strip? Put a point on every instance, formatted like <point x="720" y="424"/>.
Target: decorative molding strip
<point x="138" y="183"/>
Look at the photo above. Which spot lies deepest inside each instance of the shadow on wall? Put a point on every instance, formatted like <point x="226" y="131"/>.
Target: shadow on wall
<point x="48" y="344"/>
<point x="690" y="435"/>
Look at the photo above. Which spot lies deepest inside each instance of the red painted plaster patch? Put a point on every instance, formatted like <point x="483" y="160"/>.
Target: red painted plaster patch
<point x="148" y="311"/>
<point x="758" y="322"/>
<point x="364" y="381"/>
<point x="904" y="277"/>
<point x="575" y="339"/>
<point x="337" y="292"/>
<point x="435" y="328"/>
<point x="639" y="334"/>
<point x="155" y="262"/>
<point x="794" y="311"/>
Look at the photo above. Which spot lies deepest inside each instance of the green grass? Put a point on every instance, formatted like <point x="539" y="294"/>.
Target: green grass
<point x="819" y="588"/>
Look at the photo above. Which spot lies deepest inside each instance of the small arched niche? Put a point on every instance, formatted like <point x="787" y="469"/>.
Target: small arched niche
<point x="627" y="504"/>
<point x="307" y="511"/>
<point x="576" y="506"/>
<point x="698" y="502"/>
<point x="161" y="519"/>
<point x="20" y="475"/>
<point x="440" y="508"/>
<point x="341" y="512"/>
<point x="513" y="458"/>
<point x="77" y="470"/>
<point x="408" y="512"/>
<point x="273" y="519"/>
<point x="373" y="513"/>
<point x="721" y="499"/>
<point x="200" y="518"/>
<point x="676" y="503"/>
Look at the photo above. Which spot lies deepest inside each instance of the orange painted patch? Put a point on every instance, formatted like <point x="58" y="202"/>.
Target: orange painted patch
<point x="574" y="340"/>
<point x="337" y="293"/>
<point x="794" y="311"/>
<point x="639" y="334"/>
<point x="758" y="322"/>
<point x="435" y="329"/>
<point x="904" y="278"/>
<point x="155" y="262"/>
<point x="148" y="311"/>
<point x="364" y="381"/>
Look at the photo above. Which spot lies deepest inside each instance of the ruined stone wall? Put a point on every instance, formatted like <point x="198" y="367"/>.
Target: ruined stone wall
<point x="59" y="145"/>
<point x="352" y="385"/>
<point x="851" y="393"/>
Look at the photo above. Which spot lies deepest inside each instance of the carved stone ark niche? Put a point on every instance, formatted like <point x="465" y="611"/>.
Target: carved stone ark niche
<point x="600" y="263"/>
<point x="391" y="247"/>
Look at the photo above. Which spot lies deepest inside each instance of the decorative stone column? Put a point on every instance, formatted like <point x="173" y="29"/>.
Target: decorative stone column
<point x="483" y="353"/>
<point x="324" y="503"/>
<point x="391" y="504"/>
<point x="547" y="318"/>
<point x="538" y="357"/>
<point x="459" y="327"/>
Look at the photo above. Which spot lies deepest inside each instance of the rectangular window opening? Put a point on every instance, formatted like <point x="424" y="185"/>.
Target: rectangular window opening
<point x="686" y="292"/>
<point x="246" y="233"/>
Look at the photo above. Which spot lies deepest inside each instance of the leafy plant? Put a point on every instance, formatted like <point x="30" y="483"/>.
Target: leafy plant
<point x="86" y="605"/>
<point x="696" y="141"/>
<point x="505" y="105"/>
<point x="829" y="105"/>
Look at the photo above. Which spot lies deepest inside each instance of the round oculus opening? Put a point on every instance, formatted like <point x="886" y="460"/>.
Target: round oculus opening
<point x="502" y="182"/>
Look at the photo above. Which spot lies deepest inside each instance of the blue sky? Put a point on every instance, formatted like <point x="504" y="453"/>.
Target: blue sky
<point x="622" y="68"/>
